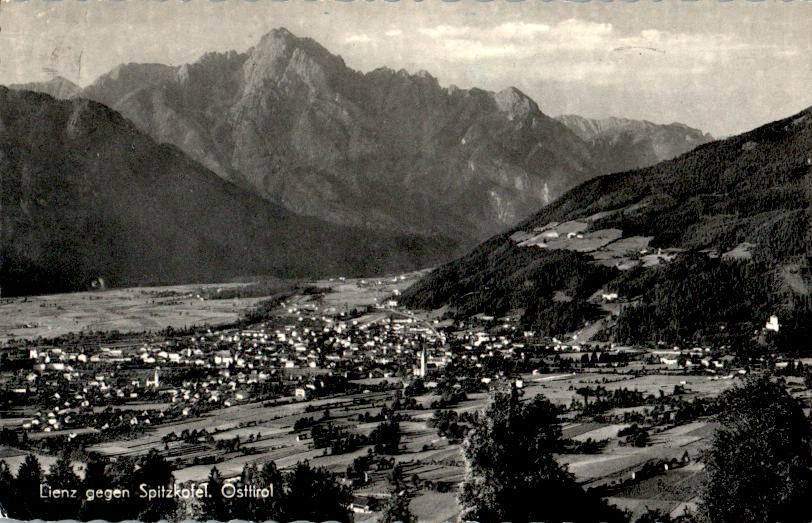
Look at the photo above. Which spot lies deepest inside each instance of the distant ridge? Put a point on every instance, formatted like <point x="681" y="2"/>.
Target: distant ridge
<point x="58" y="87"/>
<point x="621" y="144"/>
<point x="85" y="195"/>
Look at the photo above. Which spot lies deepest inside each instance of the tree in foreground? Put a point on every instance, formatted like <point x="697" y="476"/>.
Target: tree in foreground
<point x="154" y="472"/>
<point x="304" y="493"/>
<point x="262" y="509"/>
<point x="29" y="478"/>
<point x="313" y="494"/>
<point x="61" y="475"/>
<point x="397" y="506"/>
<point x="654" y="516"/>
<point x="96" y="477"/>
<point x="759" y="462"/>
<point x="215" y="505"/>
<point x="511" y="474"/>
<point x="7" y="490"/>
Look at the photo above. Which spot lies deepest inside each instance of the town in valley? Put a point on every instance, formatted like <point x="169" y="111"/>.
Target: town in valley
<point x="417" y="262"/>
<point x="315" y="371"/>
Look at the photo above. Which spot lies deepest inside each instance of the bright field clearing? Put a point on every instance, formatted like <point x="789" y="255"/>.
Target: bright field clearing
<point x="137" y="309"/>
<point x="669" y="492"/>
<point x="127" y="310"/>
<point x="353" y="292"/>
<point x="617" y="462"/>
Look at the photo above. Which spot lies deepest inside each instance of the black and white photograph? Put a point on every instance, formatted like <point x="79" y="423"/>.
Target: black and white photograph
<point x="418" y="261"/>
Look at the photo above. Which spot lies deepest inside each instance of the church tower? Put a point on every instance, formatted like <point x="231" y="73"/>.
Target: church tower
<point x="155" y="381"/>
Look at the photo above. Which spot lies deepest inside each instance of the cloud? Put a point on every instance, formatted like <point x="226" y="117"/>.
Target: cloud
<point x="571" y="30"/>
<point x="598" y="71"/>
<point x="447" y="31"/>
<point x="582" y="50"/>
<point x="788" y="53"/>
<point x="393" y="32"/>
<point x="358" y="39"/>
<point x="519" y="29"/>
<point x="463" y="49"/>
<point x="574" y="34"/>
<point x="573" y="26"/>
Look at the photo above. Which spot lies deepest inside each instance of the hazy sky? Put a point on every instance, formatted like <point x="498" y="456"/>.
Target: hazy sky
<point x="724" y="67"/>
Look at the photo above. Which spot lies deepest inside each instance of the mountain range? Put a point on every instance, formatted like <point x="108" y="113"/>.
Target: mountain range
<point x="621" y="144"/>
<point x="85" y="195"/>
<point x="385" y="150"/>
<point x="703" y="247"/>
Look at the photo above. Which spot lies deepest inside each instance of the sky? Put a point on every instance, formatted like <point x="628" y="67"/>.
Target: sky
<point x="721" y="66"/>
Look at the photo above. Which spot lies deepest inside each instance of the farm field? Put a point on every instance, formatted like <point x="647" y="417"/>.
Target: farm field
<point x="607" y="247"/>
<point x="435" y="506"/>
<point x="672" y="492"/>
<point x="617" y="462"/>
<point x="126" y="310"/>
<point x="425" y="454"/>
<point x="137" y="309"/>
<point x="354" y="292"/>
<point x="561" y="389"/>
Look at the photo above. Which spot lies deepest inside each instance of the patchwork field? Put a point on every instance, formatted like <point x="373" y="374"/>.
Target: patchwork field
<point x="126" y="310"/>
<point x="606" y="246"/>
<point x="138" y="309"/>
<point x="561" y="389"/>
<point x="425" y="454"/>
<point x="672" y="492"/>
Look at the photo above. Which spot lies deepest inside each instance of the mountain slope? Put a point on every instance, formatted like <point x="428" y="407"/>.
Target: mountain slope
<point x="620" y="144"/>
<point x="713" y="241"/>
<point x="384" y="149"/>
<point x="87" y="195"/>
<point x="57" y="87"/>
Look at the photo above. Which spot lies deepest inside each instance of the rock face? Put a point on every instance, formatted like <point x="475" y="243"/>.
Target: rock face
<point x="386" y="149"/>
<point x="85" y="195"/>
<point x="620" y="144"/>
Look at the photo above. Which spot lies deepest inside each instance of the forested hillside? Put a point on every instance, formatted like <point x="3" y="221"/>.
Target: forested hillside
<point x="711" y="242"/>
<point x="85" y="195"/>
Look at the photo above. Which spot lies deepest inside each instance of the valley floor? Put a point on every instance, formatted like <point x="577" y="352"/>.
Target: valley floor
<point x="664" y="474"/>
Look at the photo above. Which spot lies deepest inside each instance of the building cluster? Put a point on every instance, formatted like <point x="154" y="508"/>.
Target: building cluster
<point x="307" y="350"/>
<point x="302" y="354"/>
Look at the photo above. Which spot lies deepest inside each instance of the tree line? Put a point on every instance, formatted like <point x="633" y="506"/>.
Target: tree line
<point x="304" y="492"/>
<point x="759" y="465"/>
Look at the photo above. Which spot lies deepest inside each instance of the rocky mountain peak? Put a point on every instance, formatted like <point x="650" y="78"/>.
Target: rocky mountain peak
<point x="621" y="143"/>
<point x="515" y="103"/>
<point x="211" y="68"/>
<point x="385" y="149"/>
<point x="284" y="59"/>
